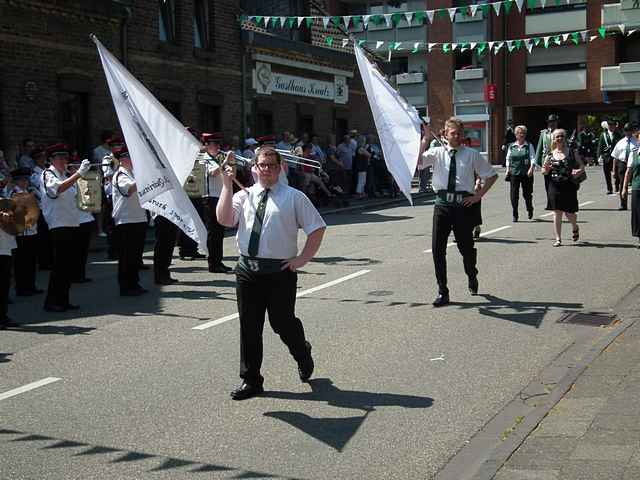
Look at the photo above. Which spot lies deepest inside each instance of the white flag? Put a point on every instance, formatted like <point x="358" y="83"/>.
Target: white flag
<point x="397" y="122"/>
<point x="162" y="150"/>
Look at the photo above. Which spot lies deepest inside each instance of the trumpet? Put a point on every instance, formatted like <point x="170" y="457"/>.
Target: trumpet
<point x="297" y="160"/>
<point x="74" y="166"/>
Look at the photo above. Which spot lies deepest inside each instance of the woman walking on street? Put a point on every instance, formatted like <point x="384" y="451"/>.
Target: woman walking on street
<point x="562" y="166"/>
<point x="520" y="160"/>
<point x="632" y="177"/>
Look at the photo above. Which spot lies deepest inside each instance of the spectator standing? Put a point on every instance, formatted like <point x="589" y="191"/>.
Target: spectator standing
<point x="345" y="155"/>
<point x="285" y="142"/>
<point x="26" y="160"/>
<point x="519" y="162"/>
<point x="250" y="148"/>
<point x="361" y="165"/>
<point x="316" y="150"/>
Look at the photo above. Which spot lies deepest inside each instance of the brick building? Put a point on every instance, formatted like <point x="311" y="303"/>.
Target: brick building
<point x="191" y="54"/>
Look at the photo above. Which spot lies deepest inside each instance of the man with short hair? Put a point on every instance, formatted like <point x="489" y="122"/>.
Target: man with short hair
<point x="457" y="201"/>
<point x="26" y="160"/>
<point x="268" y="216"/>
<point x="345" y="155"/>
<point x="606" y="142"/>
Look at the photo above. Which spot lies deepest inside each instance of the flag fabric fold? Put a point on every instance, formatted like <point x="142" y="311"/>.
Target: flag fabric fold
<point x="397" y="122"/>
<point x="162" y="150"/>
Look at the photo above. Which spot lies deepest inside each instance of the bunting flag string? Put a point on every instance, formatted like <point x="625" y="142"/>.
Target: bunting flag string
<point x="489" y="47"/>
<point x="393" y="20"/>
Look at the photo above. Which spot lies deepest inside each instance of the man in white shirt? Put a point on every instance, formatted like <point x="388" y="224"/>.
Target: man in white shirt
<point x="456" y="208"/>
<point x="60" y="210"/>
<point x="268" y="216"/>
<point x="44" y="249"/>
<point x="131" y="224"/>
<point x="621" y="155"/>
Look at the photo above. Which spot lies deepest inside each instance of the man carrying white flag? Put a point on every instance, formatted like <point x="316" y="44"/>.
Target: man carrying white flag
<point x="162" y="150"/>
<point x="398" y="124"/>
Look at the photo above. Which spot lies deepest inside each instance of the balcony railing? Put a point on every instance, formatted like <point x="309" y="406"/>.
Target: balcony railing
<point x="469" y="74"/>
<point x="625" y="76"/>
<point x="556" y="81"/>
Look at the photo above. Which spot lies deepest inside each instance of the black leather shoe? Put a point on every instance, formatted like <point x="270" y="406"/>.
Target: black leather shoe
<point x="622" y="208"/>
<point x="54" y="308"/>
<point x="306" y="366"/>
<point x="246" y="390"/>
<point x="166" y="281"/>
<point x="8" y="323"/>
<point x="473" y="286"/>
<point x="515" y="219"/>
<point x="530" y="215"/>
<point x="220" y="268"/>
<point x="441" y="300"/>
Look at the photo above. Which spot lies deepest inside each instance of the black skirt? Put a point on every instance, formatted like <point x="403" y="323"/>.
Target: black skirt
<point x="635" y="213"/>
<point x="562" y="196"/>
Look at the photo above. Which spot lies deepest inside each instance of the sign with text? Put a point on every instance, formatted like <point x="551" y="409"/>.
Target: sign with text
<point x="267" y="82"/>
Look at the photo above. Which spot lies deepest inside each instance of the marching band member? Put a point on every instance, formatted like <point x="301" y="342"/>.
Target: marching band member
<point x="7" y="243"/>
<point x="26" y="253"/>
<point x="166" y="235"/>
<point x="268" y="216"/>
<point x="130" y="225"/>
<point x="45" y="251"/>
<point x="456" y="208"/>
<point x="621" y="154"/>
<point x="108" y="168"/>
<point x="82" y="240"/>
<point x="61" y="213"/>
<point x="187" y="247"/>
<point x="212" y="189"/>
<point x="632" y="178"/>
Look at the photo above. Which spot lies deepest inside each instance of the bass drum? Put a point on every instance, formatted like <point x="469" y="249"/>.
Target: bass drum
<point x="89" y="196"/>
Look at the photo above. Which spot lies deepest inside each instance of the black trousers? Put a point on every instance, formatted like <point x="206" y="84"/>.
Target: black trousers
<point x="607" y="168"/>
<point x="81" y="242"/>
<point x="5" y="285"/>
<point x="274" y="293"/>
<point x="189" y="248"/>
<point x="616" y="175"/>
<point x="215" y="231"/>
<point x="621" y="171"/>
<point x="527" y="192"/>
<point x="108" y="227"/>
<point x="63" y="257"/>
<point x="130" y="239"/>
<point x="166" y="236"/>
<point x="461" y="220"/>
<point x="45" y="247"/>
<point x="25" y="262"/>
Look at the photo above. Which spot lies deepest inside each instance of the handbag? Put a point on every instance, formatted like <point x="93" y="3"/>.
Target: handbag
<point x="578" y="179"/>
<point x="507" y="177"/>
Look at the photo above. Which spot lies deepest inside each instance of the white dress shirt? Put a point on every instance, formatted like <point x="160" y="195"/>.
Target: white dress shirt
<point x="212" y="184"/>
<point x="126" y="206"/>
<point x="85" y="217"/>
<point x="621" y="147"/>
<point x="59" y="209"/>
<point x="468" y="162"/>
<point x="28" y="232"/>
<point x="286" y="211"/>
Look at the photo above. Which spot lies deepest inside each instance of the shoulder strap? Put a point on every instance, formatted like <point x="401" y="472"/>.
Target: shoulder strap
<point x="44" y="183"/>
<point x="115" y="180"/>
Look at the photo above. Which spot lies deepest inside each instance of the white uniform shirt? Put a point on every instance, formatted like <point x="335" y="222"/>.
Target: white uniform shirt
<point x="621" y="147"/>
<point x="468" y="161"/>
<point x="286" y="211"/>
<point x="28" y="232"/>
<point x="85" y="217"/>
<point x="212" y="185"/>
<point x="59" y="209"/>
<point x="126" y="206"/>
<point x="532" y="153"/>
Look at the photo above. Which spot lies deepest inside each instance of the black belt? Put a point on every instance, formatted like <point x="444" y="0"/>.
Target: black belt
<point x="260" y="265"/>
<point x="444" y="197"/>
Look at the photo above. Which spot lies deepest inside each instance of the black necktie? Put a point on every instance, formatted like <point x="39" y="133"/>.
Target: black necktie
<point x="451" y="186"/>
<point x="256" y="229"/>
<point x="627" y="151"/>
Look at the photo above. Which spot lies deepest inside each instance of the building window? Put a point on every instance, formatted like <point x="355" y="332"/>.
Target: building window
<point x="201" y="33"/>
<point x="167" y="21"/>
<point x="74" y="121"/>
<point x="210" y="120"/>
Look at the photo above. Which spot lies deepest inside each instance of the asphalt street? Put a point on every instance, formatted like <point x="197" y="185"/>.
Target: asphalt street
<point x="139" y="387"/>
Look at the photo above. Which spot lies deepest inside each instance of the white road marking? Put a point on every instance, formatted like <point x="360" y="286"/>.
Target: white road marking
<point x="233" y="316"/>
<point x="437" y="359"/>
<point x="483" y="234"/>
<point x="29" y="386"/>
<point x="581" y="205"/>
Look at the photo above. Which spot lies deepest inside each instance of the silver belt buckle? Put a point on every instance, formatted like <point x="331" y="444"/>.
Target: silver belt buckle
<point x="450" y="197"/>
<point x="253" y="265"/>
<point x="458" y="198"/>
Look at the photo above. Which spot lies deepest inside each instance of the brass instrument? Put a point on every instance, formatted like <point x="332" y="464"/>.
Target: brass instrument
<point x="194" y="185"/>
<point x="20" y="213"/>
<point x="89" y="196"/>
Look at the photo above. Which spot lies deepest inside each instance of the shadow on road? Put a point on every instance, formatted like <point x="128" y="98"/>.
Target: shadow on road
<point x="605" y="245"/>
<point x="123" y="455"/>
<point x="351" y="262"/>
<point x="526" y="313"/>
<point x="336" y="432"/>
<point x="4" y="357"/>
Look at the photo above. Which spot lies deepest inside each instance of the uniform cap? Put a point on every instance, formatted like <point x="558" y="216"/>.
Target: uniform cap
<point x="58" y="149"/>
<point x="215" y="137"/>
<point x="115" y="140"/>
<point x="120" y="152"/>
<point x="266" y="140"/>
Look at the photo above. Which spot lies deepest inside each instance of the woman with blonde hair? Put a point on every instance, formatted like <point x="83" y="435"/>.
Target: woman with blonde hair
<point x="563" y="166"/>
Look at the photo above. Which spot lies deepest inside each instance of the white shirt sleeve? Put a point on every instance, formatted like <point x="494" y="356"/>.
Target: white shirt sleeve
<point x="308" y="218"/>
<point x="125" y="183"/>
<point x="430" y="156"/>
<point x="51" y="184"/>
<point x="618" y="150"/>
<point x="481" y="166"/>
<point x="239" y="200"/>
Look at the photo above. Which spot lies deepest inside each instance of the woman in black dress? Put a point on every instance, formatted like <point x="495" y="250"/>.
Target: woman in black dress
<point x="562" y="164"/>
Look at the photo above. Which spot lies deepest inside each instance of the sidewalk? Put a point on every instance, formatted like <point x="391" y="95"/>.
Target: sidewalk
<point x="593" y="432"/>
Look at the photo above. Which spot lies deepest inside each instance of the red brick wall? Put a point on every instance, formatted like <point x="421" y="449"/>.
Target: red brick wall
<point x="439" y="69"/>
